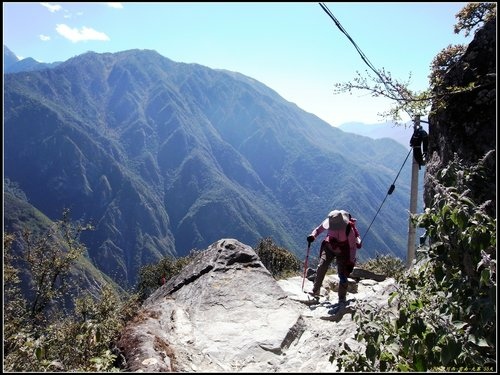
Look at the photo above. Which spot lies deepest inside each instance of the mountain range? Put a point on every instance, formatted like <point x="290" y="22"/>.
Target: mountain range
<point x="400" y="133"/>
<point x="166" y="157"/>
<point x="13" y="64"/>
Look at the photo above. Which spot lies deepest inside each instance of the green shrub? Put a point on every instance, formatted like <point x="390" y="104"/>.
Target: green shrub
<point x="387" y="265"/>
<point x="280" y="262"/>
<point x="445" y="309"/>
<point x="150" y="276"/>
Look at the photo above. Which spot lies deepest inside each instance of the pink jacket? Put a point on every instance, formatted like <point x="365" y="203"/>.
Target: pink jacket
<point x="340" y="236"/>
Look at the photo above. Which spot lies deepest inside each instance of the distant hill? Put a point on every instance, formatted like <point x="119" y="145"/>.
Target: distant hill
<point x="9" y="58"/>
<point x="400" y="133"/>
<point x="12" y="64"/>
<point x="163" y="157"/>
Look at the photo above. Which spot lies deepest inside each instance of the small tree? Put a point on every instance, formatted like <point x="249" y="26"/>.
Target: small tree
<point x="48" y="259"/>
<point x="15" y="305"/>
<point x="473" y="16"/>
<point x="37" y="336"/>
<point x="382" y="84"/>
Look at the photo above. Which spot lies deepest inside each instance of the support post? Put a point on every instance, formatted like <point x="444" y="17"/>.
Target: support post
<point x="413" y="203"/>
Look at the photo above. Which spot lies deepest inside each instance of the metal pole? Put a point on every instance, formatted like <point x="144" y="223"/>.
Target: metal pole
<point x="413" y="204"/>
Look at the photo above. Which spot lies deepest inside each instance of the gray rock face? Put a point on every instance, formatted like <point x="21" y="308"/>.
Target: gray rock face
<point x="225" y="313"/>
<point x="465" y="124"/>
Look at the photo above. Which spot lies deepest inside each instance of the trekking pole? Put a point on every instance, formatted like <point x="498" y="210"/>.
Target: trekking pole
<point x="305" y="265"/>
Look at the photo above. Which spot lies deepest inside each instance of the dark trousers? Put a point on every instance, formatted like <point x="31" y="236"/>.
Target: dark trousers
<point x="344" y="268"/>
<point x="326" y="258"/>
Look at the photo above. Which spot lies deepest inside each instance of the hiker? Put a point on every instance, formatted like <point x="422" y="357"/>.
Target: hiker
<point x="419" y="142"/>
<point x="341" y="242"/>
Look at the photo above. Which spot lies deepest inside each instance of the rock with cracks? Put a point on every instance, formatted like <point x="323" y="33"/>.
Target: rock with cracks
<point x="225" y="313"/>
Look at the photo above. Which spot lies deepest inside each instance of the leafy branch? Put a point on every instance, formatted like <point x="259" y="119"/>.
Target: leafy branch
<point x="413" y="103"/>
<point x="442" y="316"/>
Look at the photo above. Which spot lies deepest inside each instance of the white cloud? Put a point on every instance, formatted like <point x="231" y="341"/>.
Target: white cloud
<point x="51" y="8"/>
<point x="84" y="34"/>
<point x="44" y="38"/>
<point x="115" y="5"/>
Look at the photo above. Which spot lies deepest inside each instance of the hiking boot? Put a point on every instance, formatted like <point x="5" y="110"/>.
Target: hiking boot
<point x="314" y="294"/>
<point x="342" y="292"/>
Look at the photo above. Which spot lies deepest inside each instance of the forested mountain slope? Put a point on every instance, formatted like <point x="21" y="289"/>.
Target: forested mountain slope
<point x="163" y="157"/>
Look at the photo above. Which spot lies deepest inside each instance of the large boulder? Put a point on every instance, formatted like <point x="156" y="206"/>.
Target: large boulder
<point x="226" y="313"/>
<point x="223" y="312"/>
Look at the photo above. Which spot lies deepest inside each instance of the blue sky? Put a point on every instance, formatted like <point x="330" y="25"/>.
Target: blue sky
<point x="294" y="48"/>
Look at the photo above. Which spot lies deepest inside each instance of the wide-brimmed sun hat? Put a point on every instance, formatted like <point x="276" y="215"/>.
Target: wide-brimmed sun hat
<point x="337" y="219"/>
